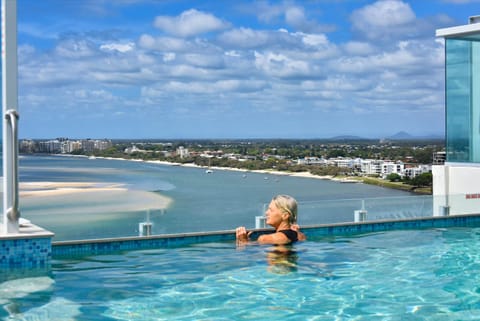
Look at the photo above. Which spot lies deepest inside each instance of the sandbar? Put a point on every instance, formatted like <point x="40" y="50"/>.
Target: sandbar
<point x="40" y="189"/>
<point x="89" y="196"/>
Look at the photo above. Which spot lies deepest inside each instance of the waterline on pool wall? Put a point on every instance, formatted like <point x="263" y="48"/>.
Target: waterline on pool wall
<point x="99" y="246"/>
<point x="36" y="251"/>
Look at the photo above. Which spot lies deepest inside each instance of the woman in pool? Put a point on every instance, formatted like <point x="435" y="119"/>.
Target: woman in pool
<point x="282" y="215"/>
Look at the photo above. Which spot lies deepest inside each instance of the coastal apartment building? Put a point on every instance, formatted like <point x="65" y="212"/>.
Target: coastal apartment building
<point x="456" y="189"/>
<point x="368" y="166"/>
<point x="63" y="146"/>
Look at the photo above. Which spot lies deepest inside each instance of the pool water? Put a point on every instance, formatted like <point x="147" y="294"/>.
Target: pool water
<point x="398" y="275"/>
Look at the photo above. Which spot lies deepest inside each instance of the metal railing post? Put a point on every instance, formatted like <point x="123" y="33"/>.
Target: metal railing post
<point x="12" y="120"/>
<point x="11" y="214"/>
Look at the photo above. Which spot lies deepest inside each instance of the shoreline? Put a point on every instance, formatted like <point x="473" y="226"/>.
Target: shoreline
<point x="190" y="165"/>
<point x="344" y="179"/>
<point x="258" y="171"/>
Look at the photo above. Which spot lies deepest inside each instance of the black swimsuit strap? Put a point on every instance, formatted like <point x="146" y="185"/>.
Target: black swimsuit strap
<point x="290" y="234"/>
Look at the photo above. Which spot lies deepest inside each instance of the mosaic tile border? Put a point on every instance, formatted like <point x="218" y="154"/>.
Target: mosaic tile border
<point x="25" y="253"/>
<point x="105" y="246"/>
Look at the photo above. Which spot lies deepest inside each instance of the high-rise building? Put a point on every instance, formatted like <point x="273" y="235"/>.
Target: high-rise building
<point x="456" y="189"/>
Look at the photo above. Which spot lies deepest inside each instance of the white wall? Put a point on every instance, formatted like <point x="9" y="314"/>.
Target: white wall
<point x="457" y="187"/>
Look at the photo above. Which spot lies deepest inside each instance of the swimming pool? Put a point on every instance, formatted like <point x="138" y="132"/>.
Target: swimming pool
<point x="428" y="274"/>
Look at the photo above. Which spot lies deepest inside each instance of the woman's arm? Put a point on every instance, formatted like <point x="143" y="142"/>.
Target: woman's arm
<point x="243" y="237"/>
<point x="300" y="235"/>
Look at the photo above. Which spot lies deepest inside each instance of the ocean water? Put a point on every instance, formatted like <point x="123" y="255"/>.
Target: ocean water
<point x="221" y="200"/>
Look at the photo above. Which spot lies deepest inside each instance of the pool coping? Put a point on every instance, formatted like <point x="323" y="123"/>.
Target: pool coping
<point x="112" y="245"/>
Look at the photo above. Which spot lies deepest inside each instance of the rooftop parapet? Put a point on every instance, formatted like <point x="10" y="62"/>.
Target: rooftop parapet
<point x="471" y="30"/>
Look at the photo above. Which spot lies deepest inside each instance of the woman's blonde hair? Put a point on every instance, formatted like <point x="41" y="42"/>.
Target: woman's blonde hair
<point x="288" y="205"/>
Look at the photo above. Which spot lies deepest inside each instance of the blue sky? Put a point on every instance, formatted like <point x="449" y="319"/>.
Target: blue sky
<point x="233" y="69"/>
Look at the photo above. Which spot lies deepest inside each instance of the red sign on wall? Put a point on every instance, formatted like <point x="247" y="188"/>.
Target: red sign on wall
<point x="472" y="196"/>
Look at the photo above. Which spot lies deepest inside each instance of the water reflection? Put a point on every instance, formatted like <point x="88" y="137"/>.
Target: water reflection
<point x="282" y="259"/>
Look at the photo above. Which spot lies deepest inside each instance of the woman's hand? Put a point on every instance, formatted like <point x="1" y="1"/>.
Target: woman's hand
<point x="242" y="235"/>
<point x="300" y="235"/>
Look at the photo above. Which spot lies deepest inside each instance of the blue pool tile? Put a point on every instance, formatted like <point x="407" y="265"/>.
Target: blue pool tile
<point x="39" y="251"/>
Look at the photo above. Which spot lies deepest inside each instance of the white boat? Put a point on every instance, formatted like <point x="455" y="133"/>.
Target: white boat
<point x="208" y="171"/>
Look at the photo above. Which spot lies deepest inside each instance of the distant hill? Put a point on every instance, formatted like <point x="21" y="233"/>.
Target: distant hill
<point x="406" y="136"/>
<point x="401" y="135"/>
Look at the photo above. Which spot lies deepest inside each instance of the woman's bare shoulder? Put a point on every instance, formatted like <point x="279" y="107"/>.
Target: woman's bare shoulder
<point x="273" y="238"/>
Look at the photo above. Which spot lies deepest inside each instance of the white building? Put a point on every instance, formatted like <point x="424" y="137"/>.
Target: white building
<point x="51" y="146"/>
<point x="371" y="167"/>
<point x="341" y="162"/>
<point x="182" y="152"/>
<point x="68" y="146"/>
<point x="311" y="161"/>
<point x="413" y="172"/>
<point x="133" y="149"/>
<point x="392" y="168"/>
<point x="456" y="187"/>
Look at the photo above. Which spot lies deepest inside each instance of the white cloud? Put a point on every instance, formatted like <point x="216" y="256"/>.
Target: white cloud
<point x="217" y="87"/>
<point x="292" y="14"/>
<point x="164" y="44"/>
<point x="256" y="67"/>
<point x="314" y="40"/>
<point x="295" y="16"/>
<point x="120" y="47"/>
<point x="93" y="96"/>
<point x="266" y="12"/>
<point x="384" y="20"/>
<point x="232" y="53"/>
<point x="73" y="48"/>
<point x="358" y="48"/>
<point x="169" y="56"/>
<point x="204" y="60"/>
<point x="385" y="13"/>
<point x="189" y="23"/>
<point x="279" y="65"/>
<point x="407" y="56"/>
<point x="245" y="38"/>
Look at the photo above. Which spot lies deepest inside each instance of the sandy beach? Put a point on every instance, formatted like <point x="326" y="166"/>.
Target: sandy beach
<point x="272" y="172"/>
<point x="265" y="171"/>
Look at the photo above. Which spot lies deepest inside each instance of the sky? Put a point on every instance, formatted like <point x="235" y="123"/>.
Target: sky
<point x="164" y="69"/>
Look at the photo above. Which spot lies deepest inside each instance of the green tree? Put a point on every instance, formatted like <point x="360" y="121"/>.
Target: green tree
<point x="394" y="177"/>
<point x="424" y="179"/>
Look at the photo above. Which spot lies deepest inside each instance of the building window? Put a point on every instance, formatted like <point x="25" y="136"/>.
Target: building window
<point x="462" y="61"/>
